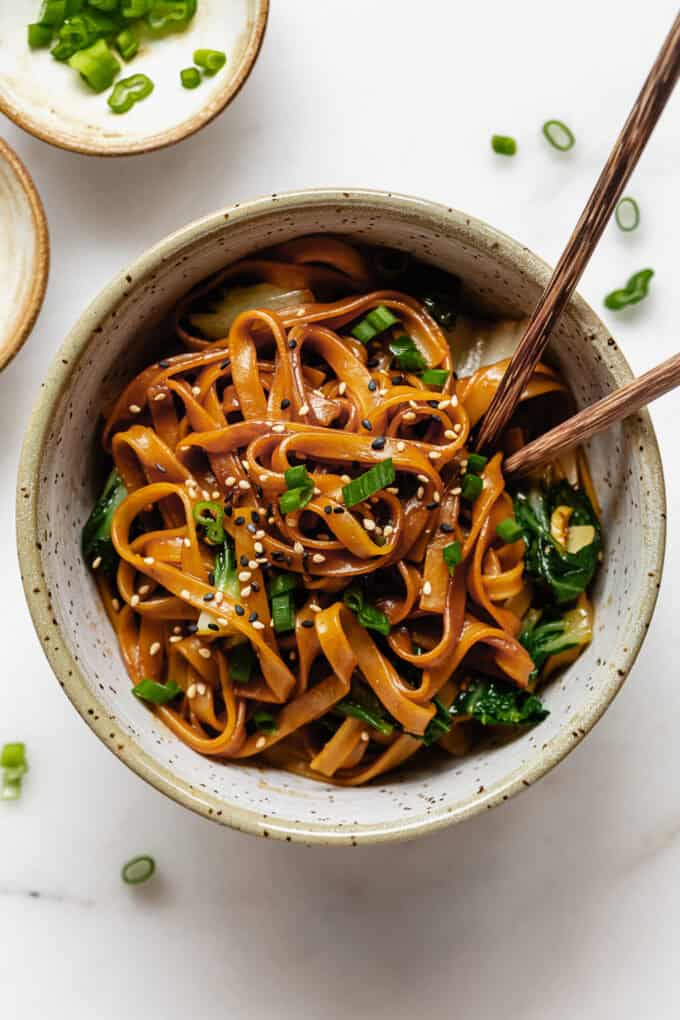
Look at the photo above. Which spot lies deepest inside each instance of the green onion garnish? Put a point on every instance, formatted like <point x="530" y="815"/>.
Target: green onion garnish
<point x="504" y="145"/>
<point x="374" y="619"/>
<point x="170" y="15"/>
<point x="297" y="476"/>
<point x="139" y="869"/>
<point x="96" y="65"/>
<point x="283" y="612"/>
<point x="635" y="290"/>
<point x="476" y="463"/>
<point x="226" y="571"/>
<point x="14" y="765"/>
<point x="13" y="756"/>
<point x="409" y="358"/>
<point x="127" y="44"/>
<point x="282" y="584"/>
<point x="349" y="707"/>
<point x="471" y="487"/>
<point x="508" y="530"/>
<point x="263" y="721"/>
<point x="52" y="13"/>
<point x="211" y="61"/>
<point x="435" y="376"/>
<point x="300" y="489"/>
<point x="39" y="36"/>
<point x="134" y="8"/>
<point x="130" y="91"/>
<point x="627" y="214"/>
<point x="372" y="481"/>
<point x="241" y="663"/>
<point x="190" y="77"/>
<point x="375" y="322"/>
<point x="157" y="694"/>
<point x="453" y="554"/>
<point x="103" y="5"/>
<point x="559" y="135"/>
<point x="210" y="515"/>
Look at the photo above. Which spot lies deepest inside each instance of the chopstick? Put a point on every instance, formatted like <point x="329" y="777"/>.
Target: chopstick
<point x="599" y="207"/>
<point x="596" y="418"/>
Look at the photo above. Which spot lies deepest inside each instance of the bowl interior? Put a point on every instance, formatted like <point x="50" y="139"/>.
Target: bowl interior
<point x="58" y="472"/>
<point x="47" y="98"/>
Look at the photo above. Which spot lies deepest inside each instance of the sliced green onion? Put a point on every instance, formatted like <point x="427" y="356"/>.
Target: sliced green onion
<point x="353" y="597"/>
<point x="363" y="331"/>
<point x="353" y="709"/>
<point x="283" y="612"/>
<point x="127" y="44"/>
<point x="52" y="13"/>
<point x="225" y="571"/>
<point x="129" y="91"/>
<point x="211" y="61"/>
<point x="11" y="788"/>
<point x="453" y="555"/>
<point x="509" y="530"/>
<point x="190" y="77"/>
<point x="281" y="584"/>
<point x="627" y="214"/>
<point x="139" y="869"/>
<point x="75" y="34"/>
<point x="297" y="476"/>
<point x="471" y="487"/>
<point x="295" y="499"/>
<point x="157" y="694"/>
<point x="241" y="663"/>
<point x="74" y="7"/>
<point x="409" y="358"/>
<point x="374" y="619"/>
<point x="476" y="463"/>
<point x="559" y="135"/>
<point x="97" y="65"/>
<point x="263" y="721"/>
<point x="39" y="36"/>
<point x="435" y="376"/>
<point x="13" y="756"/>
<point x="372" y="481"/>
<point x="170" y="15"/>
<point x="635" y="290"/>
<point x="135" y="8"/>
<point x="504" y="145"/>
<point x="103" y="5"/>
<point x="375" y="322"/>
<point x="210" y="515"/>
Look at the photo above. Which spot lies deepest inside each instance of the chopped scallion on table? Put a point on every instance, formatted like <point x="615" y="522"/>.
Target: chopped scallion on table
<point x="627" y="214"/>
<point x="635" y="290"/>
<point x="138" y="870"/>
<point x="14" y="767"/>
<point x="559" y="135"/>
<point x="504" y="145"/>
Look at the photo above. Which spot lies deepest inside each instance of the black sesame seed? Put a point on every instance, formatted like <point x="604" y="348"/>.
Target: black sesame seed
<point x="277" y="556"/>
<point x="379" y="443"/>
<point x="367" y="425"/>
<point x="255" y="586"/>
<point x="431" y="506"/>
<point x="446" y="528"/>
<point x="239" y="520"/>
<point x="285" y="403"/>
<point x="397" y="380"/>
<point x="228" y="511"/>
<point x="244" y="560"/>
<point x="252" y="617"/>
<point x="255" y="517"/>
<point x="259" y="491"/>
<point x="292" y="344"/>
<point x="251" y="528"/>
<point x="192" y="628"/>
<point x="240" y="611"/>
<point x="209" y="597"/>
<point x="164" y="364"/>
<point x="213" y="626"/>
<point x="338" y="510"/>
<point x="226" y="363"/>
<point x="211" y="577"/>
<point x="372" y="385"/>
<point x="308" y="623"/>
<point x="372" y="363"/>
<point x="328" y="509"/>
<point x="433" y="403"/>
<point x="159" y="467"/>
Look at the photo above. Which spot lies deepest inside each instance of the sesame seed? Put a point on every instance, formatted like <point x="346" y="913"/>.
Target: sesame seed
<point x="239" y="520"/>
<point x="367" y="425"/>
<point x="449" y="434"/>
<point x="245" y="592"/>
<point x="285" y="403"/>
<point x="205" y="653"/>
<point x="458" y="429"/>
<point x="443" y="404"/>
<point x="410" y="416"/>
<point x="134" y="409"/>
<point x="392" y="489"/>
<point x="436" y="497"/>
<point x="243" y="484"/>
<point x="252" y="564"/>
<point x="201" y="689"/>
<point x="317" y="490"/>
<point x="292" y="344"/>
<point x="304" y="409"/>
<point x="245" y="465"/>
<point x="308" y="623"/>
<point x="187" y="543"/>
<point x="244" y="576"/>
<point x="434" y="455"/>
<point x="314" y="607"/>
<point x="298" y="547"/>
<point x="230" y="481"/>
<point x="240" y="611"/>
<point x="134" y="601"/>
<point x="159" y="396"/>
<point x="368" y="524"/>
<point x="177" y="629"/>
<point x="258" y="625"/>
<point x="278" y="428"/>
<point x="191" y="691"/>
<point x="457" y="491"/>
<point x="427" y="588"/>
<point x="345" y="479"/>
<point x="364" y="736"/>
<point x="420" y="492"/>
<point x="144" y="589"/>
<point x="209" y="597"/>
<point x="196" y="390"/>
<point x="175" y="639"/>
<point x="378" y="443"/>
<point x="222" y="620"/>
<point x="318" y="558"/>
<point x="259" y="534"/>
<point x="292" y="655"/>
<point x="259" y="548"/>
<point x="115" y="604"/>
<point x="205" y="494"/>
<point x="446" y="528"/>
<point x="372" y="385"/>
<point x="401" y="446"/>
<point x="96" y="562"/>
<point x="155" y="648"/>
<point x="149" y="560"/>
<point x="219" y="596"/>
<point x="185" y="593"/>
<point x="387" y="530"/>
<point x="423" y="478"/>
<point x="342" y="388"/>
<point x="264" y="477"/>
<point x="260" y="742"/>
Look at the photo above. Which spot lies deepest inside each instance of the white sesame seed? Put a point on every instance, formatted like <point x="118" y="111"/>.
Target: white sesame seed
<point x="177" y="629"/>
<point x="457" y="491"/>
<point x="365" y="737"/>
<point x="443" y="404"/>
<point x="458" y="429"/>
<point x="314" y="607"/>
<point x="259" y="548"/>
<point x="196" y="390"/>
<point x="175" y="639"/>
<point x="464" y="464"/>
<point x="410" y="416"/>
<point x="149" y="560"/>
<point x="155" y="648"/>
<point x="278" y="428"/>
<point x="205" y="653"/>
<point x="436" y="497"/>
<point x="230" y="481"/>
<point x="449" y="434"/>
<point x="387" y="530"/>
<point x="185" y="593"/>
<point x="115" y="605"/>
<point x="144" y="589"/>
<point x="368" y="524"/>
<point x="216" y="494"/>
<point x="413" y="403"/>
<point x="427" y="588"/>
<point x="134" y="601"/>
<point x="292" y="655"/>
<point x="244" y="576"/>
<point x="317" y="490"/>
<point x="290" y="521"/>
<point x="298" y="547"/>
<point x="420" y="493"/>
<point x="252" y="564"/>
<point x="245" y="465"/>
<point x="258" y="625"/>
<point x="235" y="402"/>
<point x="201" y="689"/>
<point x="159" y="396"/>
<point x="245" y="592"/>
<point x="318" y="558"/>
<point x="96" y="562"/>
<point x="392" y="489"/>
<point x="260" y="742"/>
<point x="259" y="534"/>
<point x="222" y="620"/>
<point x="342" y="388"/>
<point x="134" y="409"/>
<point x="191" y="691"/>
<point x="187" y="543"/>
<point x="304" y="409"/>
<point x="260" y="559"/>
<point x="205" y="494"/>
<point x="219" y="595"/>
<point x="434" y="455"/>
<point x="271" y="520"/>
<point x="423" y="478"/>
<point x="345" y="479"/>
<point x="243" y="484"/>
<point x="401" y="446"/>
<point x="210" y="478"/>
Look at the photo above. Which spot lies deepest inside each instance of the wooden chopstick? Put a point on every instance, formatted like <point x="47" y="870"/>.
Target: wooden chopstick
<point x="599" y="207"/>
<point x="596" y="418"/>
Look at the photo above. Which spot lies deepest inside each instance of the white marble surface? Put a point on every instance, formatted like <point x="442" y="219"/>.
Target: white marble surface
<point x="563" y="903"/>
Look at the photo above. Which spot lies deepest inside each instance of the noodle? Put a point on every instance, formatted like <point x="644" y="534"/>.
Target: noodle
<point x="333" y="637"/>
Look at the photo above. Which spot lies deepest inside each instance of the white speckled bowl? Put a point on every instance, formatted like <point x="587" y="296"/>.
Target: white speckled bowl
<point x="24" y="253"/>
<point x="47" y="98"/>
<point x="56" y="491"/>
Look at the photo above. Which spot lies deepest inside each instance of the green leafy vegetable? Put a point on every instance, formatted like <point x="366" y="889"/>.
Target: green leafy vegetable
<point x="157" y="694"/>
<point x="544" y="635"/>
<point x="494" y="702"/>
<point x="368" y="615"/>
<point x="439" y="724"/>
<point x="263" y="721"/>
<point x="407" y="355"/>
<point x="226" y="571"/>
<point x="509" y="530"/>
<point x="635" y="290"/>
<point x="548" y="562"/>
<point x="96" y="543"/>
<point x="362" y="703"/>
<point x="372" y="481"/>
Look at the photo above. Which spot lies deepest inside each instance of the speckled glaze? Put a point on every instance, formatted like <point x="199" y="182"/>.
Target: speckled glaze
<point x="48" y="99"/>
<point x="24" y="254"/>
<point x="57" y="487"/>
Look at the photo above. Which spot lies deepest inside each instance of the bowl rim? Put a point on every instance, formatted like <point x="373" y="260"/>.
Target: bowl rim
<point x="68" y="672"/>
<point x="41" y="257"/>
<point x="204" y="116"/>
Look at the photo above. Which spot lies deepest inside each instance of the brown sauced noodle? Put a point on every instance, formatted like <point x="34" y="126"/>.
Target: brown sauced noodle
<point x="222" y="422"/>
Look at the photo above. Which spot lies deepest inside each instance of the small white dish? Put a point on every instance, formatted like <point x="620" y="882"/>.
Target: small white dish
<point x="47" y="98"/>
<point x="24" y="253"/>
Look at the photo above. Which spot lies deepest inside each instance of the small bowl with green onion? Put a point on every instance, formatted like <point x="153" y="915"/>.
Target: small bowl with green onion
<point x="118" y="77"/>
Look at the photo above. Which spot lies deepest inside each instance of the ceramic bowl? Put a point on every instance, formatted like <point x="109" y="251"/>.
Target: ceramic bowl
<point x="57" y="488"/>
<point x="47" y="98"/>
<point x="24" y="253"/>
